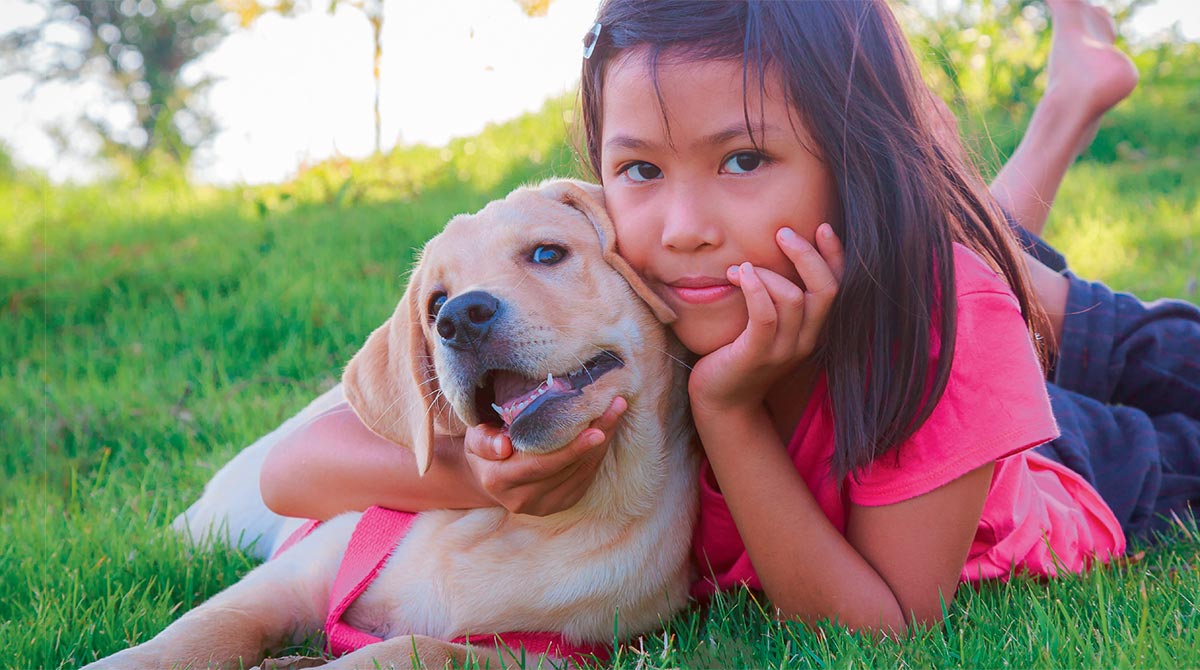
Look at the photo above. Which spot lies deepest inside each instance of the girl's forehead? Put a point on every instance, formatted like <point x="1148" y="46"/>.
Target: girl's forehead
<point x="641" y="63"/>
<point x="644" y="90"/>
<point x="676" y="70"/>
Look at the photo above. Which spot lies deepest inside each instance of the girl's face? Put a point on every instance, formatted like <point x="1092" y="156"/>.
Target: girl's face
<point x="691" y="203"/>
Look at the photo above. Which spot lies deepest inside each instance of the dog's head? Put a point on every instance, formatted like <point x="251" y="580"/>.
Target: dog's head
<point x="521" y="315"/>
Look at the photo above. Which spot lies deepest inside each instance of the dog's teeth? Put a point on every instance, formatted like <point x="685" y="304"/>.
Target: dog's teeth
<point x="549" y="380"/>
<point x="499" y="410"/>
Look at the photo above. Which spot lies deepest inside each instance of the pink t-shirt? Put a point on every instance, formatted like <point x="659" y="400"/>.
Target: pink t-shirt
<point x="1038" y="517"/>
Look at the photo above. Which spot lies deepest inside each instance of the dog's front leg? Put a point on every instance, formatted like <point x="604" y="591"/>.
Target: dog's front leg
<point x="418" y="651"/>
<point x="207" y="637"/>
<point x="278" y="603"/>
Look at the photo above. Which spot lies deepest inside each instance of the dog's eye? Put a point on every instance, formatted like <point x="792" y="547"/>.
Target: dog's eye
<point x="548" y="254"/>
<point x="435" y="304"/>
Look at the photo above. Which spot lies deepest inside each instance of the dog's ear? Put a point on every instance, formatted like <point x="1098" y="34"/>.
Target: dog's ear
<point x="589" y="199"/>
<point x="390" y="383"/>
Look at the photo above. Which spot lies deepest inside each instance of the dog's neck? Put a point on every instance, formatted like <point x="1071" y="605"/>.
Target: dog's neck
<point x="653" y="450"/>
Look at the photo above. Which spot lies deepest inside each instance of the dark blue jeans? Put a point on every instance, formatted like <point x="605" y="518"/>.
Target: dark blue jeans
<point x="1125" y="389"/>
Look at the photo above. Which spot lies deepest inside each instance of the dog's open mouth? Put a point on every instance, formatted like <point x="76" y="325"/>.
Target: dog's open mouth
<point x="503" y="396"/>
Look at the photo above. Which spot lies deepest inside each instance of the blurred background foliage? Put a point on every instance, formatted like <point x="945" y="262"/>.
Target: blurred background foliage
<point x="986" y="59"/>
<point x="136" y="52"/>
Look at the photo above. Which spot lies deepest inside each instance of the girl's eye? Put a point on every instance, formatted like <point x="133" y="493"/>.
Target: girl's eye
<point x="743" y="162"/>
<point x="435" y="304"/>
<point x="643" y="172"/>
<point x="548" y="254"/>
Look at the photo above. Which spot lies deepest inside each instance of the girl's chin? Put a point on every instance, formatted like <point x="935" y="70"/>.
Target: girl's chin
<point x="702" y="341"/>
<point x="712" y="329"/>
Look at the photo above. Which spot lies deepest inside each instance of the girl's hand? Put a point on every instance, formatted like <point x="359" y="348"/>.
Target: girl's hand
<point x="783" y="328"/>
<point x="539" y="484"/>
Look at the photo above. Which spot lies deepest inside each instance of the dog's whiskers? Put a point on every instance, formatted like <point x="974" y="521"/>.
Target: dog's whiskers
<point x="438" y="396"/>
<point x="432" y="378"/>
<point x="437" y="391"/>
<point x="583" y="366"/>
<point x="524" y="275"/>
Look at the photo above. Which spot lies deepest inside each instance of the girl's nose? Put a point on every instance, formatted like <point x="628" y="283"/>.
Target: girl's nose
<point x="689" y="221"/>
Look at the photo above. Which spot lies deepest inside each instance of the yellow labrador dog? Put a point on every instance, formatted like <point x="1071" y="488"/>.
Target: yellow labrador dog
<point x="521" y="314"/>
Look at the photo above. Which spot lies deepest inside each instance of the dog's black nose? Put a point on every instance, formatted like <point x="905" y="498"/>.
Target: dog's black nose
<point x="466" y="319"/>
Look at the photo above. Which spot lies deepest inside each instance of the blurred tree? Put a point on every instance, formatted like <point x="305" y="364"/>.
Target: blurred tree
<point x="137" y="51"/>
<point x="249" y="11"/>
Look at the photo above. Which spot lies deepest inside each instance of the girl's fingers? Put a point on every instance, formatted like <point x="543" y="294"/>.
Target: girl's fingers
<point x="488" y="442"/>
<point x="831" y="249"/>
<point x="814" y="271"/>
<point x="763" y="317"/>
<point x="523" y="469"/>
<point x="608" y="420"/>
<point x="787" y="298"/>
<point x="492" y="443"/>
<point x="590" y="442"/>
<point x="783" y="291"/>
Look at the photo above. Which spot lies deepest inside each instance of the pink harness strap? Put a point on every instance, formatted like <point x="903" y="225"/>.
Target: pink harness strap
<point x="297" y="535"/>
<point x="374" y="538"/>
<point x="377" y="534"/>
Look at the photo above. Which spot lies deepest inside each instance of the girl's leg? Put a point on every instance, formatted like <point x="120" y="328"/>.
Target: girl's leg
<point x="1037" y="247"/>
<point x="1086" y="76"/>
<point x="1126" y="383"/>
<point x="1147" y="468"/>
<point x="1126" y="394"/>
<point x="1120" y="351"/>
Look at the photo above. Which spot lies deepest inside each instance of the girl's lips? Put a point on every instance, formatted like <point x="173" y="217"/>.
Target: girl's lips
<point x="701" y="295"/>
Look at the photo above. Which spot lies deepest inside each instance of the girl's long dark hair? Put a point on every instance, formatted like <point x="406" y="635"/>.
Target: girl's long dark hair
<point x="903" y="196"/>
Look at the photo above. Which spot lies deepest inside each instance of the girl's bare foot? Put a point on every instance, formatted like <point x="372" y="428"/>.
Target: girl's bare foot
<point x="1086" y="72"/>
<point x="1086" y="76"/>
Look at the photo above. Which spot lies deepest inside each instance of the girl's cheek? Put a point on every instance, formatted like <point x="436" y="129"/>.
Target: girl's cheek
<point x="633" y="243"/>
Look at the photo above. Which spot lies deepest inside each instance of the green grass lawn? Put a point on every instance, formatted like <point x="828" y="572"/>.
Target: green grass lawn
<point x="151" y="332"/>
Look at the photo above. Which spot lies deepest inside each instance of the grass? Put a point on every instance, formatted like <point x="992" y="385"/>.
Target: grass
<point x="151" y="331"/>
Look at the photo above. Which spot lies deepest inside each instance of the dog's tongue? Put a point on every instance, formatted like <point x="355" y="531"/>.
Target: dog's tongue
<point x="511" y="386"/>
<point x="514" y="393"/>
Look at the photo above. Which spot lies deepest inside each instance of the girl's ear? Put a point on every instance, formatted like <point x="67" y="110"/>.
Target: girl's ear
<point x="390" y="383"/>
<point x="589" y="199"/>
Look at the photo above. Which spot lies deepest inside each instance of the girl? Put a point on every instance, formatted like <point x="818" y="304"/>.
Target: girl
<point x="867" y="410"/>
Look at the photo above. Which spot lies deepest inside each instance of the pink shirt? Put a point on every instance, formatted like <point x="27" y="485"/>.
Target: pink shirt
<point x="1038" y="517"/>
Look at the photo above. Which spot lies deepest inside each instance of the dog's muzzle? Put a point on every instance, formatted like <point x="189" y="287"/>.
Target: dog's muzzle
<point x="491" y="378"/>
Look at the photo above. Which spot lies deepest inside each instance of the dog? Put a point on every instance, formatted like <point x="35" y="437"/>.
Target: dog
<point x="523" y="314"/>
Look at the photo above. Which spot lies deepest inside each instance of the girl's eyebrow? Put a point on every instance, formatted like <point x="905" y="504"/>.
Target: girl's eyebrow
<point x="627" y="142"/>
<point x="732" y="132"/>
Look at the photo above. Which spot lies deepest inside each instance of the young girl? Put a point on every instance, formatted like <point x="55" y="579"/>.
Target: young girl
<point x="866" y="385"/>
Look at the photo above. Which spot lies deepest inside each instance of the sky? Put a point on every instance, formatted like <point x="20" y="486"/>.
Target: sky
<point x="299" y="90"/>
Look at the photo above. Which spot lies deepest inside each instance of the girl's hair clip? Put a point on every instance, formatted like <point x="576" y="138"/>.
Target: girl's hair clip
<point x="590" y="39"/>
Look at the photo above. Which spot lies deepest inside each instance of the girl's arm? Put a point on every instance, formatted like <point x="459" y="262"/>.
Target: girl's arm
<point x="334" y="464"/>
<point x="895" y="564"/>
<point x="350" y="468"/>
